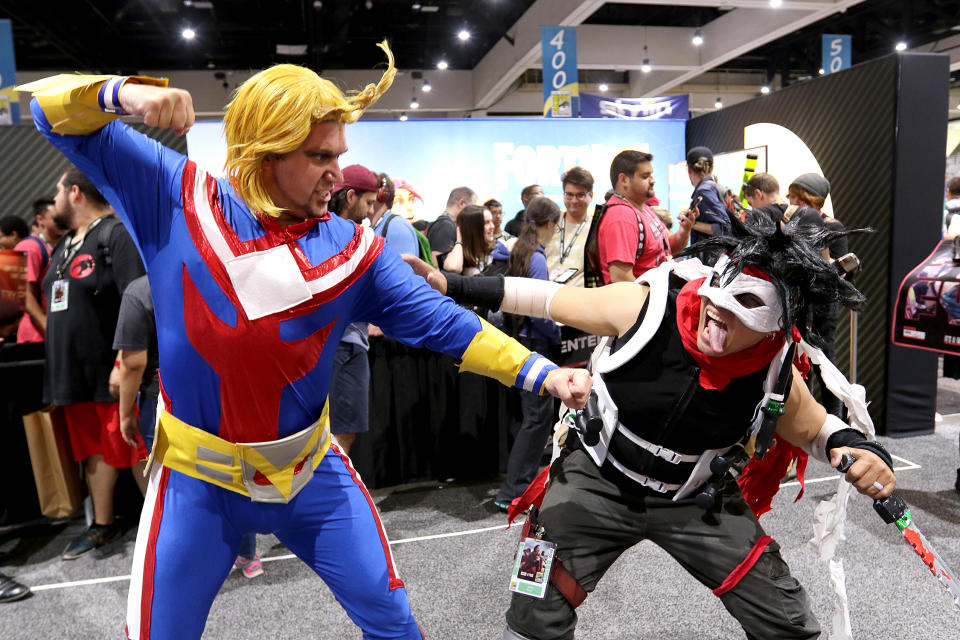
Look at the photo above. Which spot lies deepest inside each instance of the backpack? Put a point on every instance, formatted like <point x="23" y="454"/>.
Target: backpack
<point x="730" y="200"/>
<point x="592" y="272"/>
<point x="45" y="261"/>
<point x="425" y="253"/>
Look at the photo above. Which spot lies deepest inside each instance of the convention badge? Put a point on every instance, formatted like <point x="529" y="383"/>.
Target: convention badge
<point x="58" y="298"/>
<point x="531" y="567"/>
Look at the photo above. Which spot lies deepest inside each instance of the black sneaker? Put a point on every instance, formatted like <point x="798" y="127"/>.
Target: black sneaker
<point x="11" y="590"/>
<point x="94" y="537"/>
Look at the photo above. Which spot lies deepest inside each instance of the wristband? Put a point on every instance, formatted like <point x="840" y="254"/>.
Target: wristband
<point x="855" y="440"/>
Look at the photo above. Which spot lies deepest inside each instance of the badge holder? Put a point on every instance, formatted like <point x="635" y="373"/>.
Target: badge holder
<point x="532" y="566"/>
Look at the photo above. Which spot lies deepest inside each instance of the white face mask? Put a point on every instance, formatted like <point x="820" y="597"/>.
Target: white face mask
<point x="763" y="318"/>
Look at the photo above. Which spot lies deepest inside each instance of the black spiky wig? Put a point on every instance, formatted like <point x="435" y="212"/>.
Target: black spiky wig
<point x="790" y="254"/>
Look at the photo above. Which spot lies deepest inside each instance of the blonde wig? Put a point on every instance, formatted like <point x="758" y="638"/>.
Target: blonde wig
<point x="271" y="114"/>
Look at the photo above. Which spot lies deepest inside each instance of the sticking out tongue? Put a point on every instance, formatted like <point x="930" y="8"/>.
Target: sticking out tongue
<point x="716" y="333"/>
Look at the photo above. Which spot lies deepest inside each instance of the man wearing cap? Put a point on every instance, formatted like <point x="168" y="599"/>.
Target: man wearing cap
<point x="253" y="283"/>
<point x="812" y="189"/>
<point x="712" y="216"/>
<point x="353" y="199"/>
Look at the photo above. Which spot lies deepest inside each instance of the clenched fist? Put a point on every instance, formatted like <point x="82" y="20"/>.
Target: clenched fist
<point x="160" y="106"/>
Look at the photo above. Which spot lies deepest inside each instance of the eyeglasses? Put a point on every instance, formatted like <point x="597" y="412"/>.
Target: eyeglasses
<point x="576" y="196"/>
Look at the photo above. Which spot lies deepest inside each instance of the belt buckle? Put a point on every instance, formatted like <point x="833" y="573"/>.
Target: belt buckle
<point x="290" y="455"/>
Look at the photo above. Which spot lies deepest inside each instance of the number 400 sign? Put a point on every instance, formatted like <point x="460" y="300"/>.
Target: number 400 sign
<point x="561" y="90"/>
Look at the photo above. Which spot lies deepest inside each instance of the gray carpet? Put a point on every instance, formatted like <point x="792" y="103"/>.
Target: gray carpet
<point x="457" y="584"/>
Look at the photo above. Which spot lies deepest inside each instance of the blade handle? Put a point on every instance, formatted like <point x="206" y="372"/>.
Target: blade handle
<point x="891" y="508"/>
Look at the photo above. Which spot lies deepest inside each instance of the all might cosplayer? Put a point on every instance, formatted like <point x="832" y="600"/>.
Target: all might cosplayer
<point x="253" y="283"/>
<point x="697" y="360"/>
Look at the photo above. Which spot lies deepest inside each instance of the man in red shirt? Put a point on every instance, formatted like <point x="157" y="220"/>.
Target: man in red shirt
<point x="631" y="238"/>
<point x="38" y="248"/>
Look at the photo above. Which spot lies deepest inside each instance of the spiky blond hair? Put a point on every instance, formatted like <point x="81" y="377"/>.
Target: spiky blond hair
<point x="271" y="114"/>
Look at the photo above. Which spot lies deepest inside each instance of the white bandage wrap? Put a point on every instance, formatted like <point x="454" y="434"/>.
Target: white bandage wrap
<point x="818" y="446"/>
<point x="528" y="297"/>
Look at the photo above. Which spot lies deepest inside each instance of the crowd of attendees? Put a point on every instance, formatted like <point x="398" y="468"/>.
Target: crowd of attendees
<point x="88" y="299"/>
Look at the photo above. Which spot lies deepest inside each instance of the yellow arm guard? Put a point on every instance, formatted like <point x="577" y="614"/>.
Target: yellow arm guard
<point x="70" y="101"/>
<point x="494" y="354"/>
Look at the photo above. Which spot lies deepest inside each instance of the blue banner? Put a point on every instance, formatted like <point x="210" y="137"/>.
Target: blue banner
<point x="9" y="99"/>
<point x="670" y="108"/>
<point x="561" y="89"/>
<point x="836" y="52"/>
<point x="496" y="157"/>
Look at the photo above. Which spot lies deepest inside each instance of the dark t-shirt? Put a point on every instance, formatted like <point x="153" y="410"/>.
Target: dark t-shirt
<point x="442" y="235"/>
<point x="803" y="215"/>
<point x="712" y="210"/>
<point x="137" y="329"/>
<point x="514" y="226"/>
<point x="79" y="341"/>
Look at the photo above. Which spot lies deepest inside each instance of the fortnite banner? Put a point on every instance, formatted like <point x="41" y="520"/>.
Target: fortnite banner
<point x="670" y="108"/>
<point x="927" y="314"/>
<point x="9" y="101"/>
<point x="561" y="88"/>
<point x="836" y="52"/>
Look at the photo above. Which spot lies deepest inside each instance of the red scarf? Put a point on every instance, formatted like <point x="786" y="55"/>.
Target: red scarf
<point x="716" y="372"/>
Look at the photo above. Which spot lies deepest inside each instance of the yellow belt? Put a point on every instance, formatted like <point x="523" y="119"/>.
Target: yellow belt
<point x="285" y="466"/>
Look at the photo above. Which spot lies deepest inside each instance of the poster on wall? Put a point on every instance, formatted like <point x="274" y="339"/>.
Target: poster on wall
<point x="927" y="312"/>
<point x="9" y="100"/>
<point x="496" y="158"/>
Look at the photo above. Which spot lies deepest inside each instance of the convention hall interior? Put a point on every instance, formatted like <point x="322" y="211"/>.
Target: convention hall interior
<point x="503" y="128"/>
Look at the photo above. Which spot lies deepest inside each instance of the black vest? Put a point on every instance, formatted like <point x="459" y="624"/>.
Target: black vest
<point x="659" y="398"/>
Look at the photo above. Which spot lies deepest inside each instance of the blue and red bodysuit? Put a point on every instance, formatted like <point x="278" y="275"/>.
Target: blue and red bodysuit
<point x="249" y="314"/>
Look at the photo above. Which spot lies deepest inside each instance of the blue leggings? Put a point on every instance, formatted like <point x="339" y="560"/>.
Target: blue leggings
<point x="191" y="531"/>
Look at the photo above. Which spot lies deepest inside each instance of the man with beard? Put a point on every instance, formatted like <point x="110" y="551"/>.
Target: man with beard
<point x="630" y="236"/>
<point x="353" y="199"/>
<point x="50" y="228"/>
<point x="90" y="268"/>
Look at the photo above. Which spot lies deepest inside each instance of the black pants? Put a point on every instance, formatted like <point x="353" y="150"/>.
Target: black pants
<point x="530" y="436"/>
<point x="593" y="521"/>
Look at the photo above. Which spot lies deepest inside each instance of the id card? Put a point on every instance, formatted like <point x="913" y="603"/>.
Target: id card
<point x="58" y="297"/>
<point x="531" y="567"/>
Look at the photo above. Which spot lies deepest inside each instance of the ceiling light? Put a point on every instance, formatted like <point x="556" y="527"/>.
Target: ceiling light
<point x="368" y="4"/>
<point x="697" y="38"/>
<point x="188" y="34"/>
<point x="414" y="104"/>
<point x="429" y="8"/>
<point x="603" y="86"/>
<point x="776" y="3"/>
<point x="901" y="46"/>
<point x="442" y="65"/>
<point x="463" y="34"/>
<point x="645" y="67"/>
<point x="764" y="89"/>
<point x="415" y="6"/>
<point x="426" y="87"/>
<point x="821" y="71"/>
<point x="403" y="116"/>
<point x="719" y="103"/>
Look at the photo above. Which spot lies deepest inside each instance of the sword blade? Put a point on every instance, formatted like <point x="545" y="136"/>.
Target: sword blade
<point x="938" y="567"/>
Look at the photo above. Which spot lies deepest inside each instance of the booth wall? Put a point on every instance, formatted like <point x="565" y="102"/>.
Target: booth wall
<point x="30" y="166"/>
<point x="878" y="132"/>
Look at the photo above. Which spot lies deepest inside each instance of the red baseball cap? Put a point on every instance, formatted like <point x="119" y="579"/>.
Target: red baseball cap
<point x="359" y="178"/>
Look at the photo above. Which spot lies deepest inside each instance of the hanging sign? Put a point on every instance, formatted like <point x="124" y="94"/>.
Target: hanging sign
<point x="561" y="89"/>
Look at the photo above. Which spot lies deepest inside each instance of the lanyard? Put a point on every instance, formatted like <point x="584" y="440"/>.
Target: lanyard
<point x="72" y="248"/>
<point x="564" y="252"/>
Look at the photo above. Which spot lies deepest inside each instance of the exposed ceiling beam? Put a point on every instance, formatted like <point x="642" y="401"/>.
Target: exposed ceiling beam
<point x="506" y="61"/>
<point x="750" y="27"/>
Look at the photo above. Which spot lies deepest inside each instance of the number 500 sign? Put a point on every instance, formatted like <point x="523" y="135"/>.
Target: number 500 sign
<point x="561" y="90"/>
